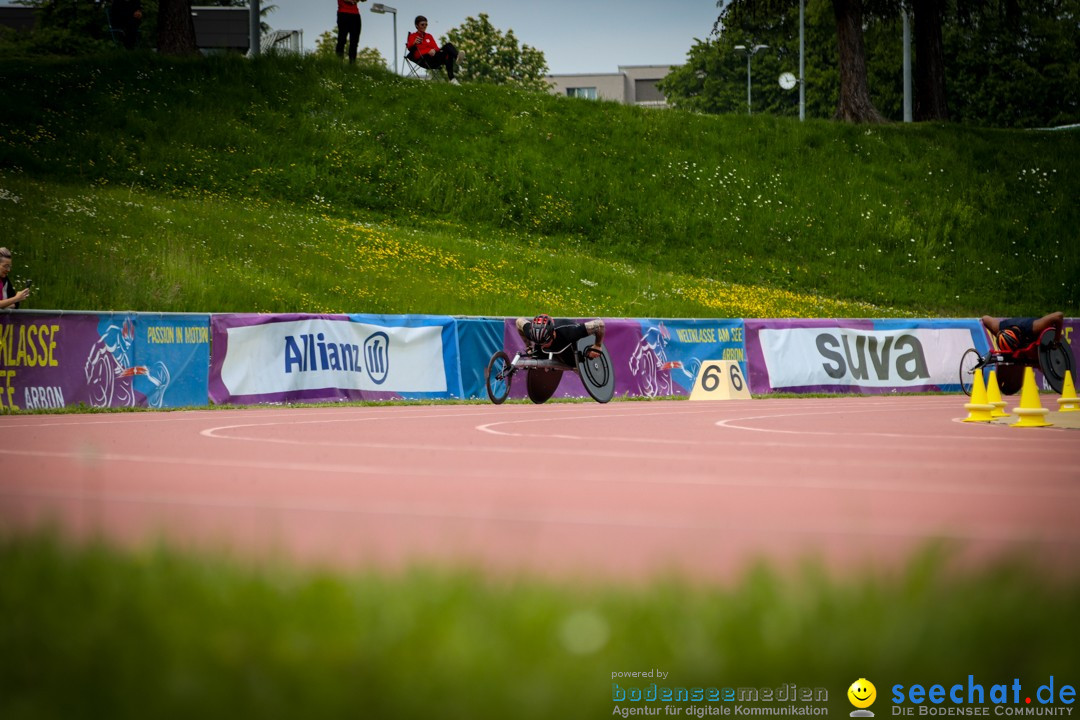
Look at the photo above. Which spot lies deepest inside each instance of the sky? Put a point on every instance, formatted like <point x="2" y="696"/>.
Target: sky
<point x="576" y="36"/>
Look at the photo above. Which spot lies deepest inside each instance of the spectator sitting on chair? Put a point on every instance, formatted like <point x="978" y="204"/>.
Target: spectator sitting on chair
<point x="348" y="26"/>
<point x="126" y="16"/>
<point x="1019" y="332"/>
<point x="425" y="52"/>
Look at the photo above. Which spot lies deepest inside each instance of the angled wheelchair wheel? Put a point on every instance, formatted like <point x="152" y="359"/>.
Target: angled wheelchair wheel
<point x="969" y="361"/>
<point x="541" y="384"/>
<point x="497" y="377"/>
<point x="597" y="375"/>
<point x="1055" y="359"/>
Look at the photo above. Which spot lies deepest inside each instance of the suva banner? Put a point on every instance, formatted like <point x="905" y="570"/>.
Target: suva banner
<point x="861" y="356"/>
<point x="312" y="358"/>
<point x="650" y="358"/>
<point x="52" y="360"/>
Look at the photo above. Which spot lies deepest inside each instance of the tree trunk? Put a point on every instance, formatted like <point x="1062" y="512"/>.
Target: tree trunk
<point x="930" y="100"/>
<point x="176" y="29"/>
<point x="855" y="104"/>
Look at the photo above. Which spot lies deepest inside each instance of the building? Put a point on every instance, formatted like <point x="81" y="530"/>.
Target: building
<point x="632" y="85"/>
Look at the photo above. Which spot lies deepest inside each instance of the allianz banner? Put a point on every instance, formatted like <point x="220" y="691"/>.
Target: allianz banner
<point x="53" y="360"/>
<point x="323" y="358"/>
<point x="859" y="356"/>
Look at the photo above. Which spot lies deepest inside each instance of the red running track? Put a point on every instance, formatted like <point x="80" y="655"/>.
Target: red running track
<point x="627" y="490"/>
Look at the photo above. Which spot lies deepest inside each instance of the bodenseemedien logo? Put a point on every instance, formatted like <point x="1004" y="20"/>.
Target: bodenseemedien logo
<point x="862" y="695"/>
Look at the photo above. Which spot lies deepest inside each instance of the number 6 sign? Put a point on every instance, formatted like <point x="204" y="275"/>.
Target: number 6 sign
<point x="720" y="380"/>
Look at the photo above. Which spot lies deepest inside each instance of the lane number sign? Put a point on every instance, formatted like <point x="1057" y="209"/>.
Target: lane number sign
<point x="720" y="380"/>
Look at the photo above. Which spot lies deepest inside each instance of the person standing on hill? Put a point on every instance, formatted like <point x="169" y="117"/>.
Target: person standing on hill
<point x="348" y="26"/>
<point x="8" y="296"/>
<point x="126" y="16"/>
<point x="425" y="52"/>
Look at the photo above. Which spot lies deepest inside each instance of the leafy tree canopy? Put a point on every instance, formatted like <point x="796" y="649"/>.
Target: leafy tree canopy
<point x="493" y="57"/>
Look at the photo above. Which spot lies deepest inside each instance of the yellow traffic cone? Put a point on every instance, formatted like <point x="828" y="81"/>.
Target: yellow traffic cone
<point x="1068" y="402"/>
<point x="979" y="410"/>
<point x="993" y="396"/>
<point x="1031" y="412"/>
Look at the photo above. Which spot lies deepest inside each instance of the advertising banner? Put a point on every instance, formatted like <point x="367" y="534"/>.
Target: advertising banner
<point x="50" y="360"/>
<point x="317" y="358"/>
<point x="478" y="340"/>
<point x="859" y="356"/>
<point x="650" y="358"/>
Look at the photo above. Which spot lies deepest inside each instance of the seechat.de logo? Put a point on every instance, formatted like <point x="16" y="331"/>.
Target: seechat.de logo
<point x="377" y="357"/>
<point x="862" y="695"/>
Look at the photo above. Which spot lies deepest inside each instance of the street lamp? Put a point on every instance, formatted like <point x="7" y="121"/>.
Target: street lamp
<point x="380" y="9"/>
<point x="750" y="52"/>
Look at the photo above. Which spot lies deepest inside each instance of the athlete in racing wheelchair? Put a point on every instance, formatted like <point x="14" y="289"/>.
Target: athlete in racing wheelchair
<point x="553" y="347"/>
<point x="1021" y="342"/>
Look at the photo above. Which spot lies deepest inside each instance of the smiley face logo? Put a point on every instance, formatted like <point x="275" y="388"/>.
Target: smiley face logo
<point x="862" y="693"/>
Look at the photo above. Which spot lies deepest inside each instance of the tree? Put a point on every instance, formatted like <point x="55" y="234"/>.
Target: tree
<point x="854" y="103"/>
<point x="176" y="29"/>
<point x="326" y="46"/>
<point x="490" y="56"/>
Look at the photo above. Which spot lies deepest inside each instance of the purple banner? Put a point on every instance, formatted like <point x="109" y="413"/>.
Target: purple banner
<point x="330" y="358"/>
<point x="650" y="358"/>
<point x="859" y="356"/>
<point x="102" y="360"/>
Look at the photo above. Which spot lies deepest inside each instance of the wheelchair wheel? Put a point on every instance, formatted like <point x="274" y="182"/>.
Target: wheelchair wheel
<point x="541" y="384"/>
<point x="597" y="375"/>
<point x="1054" y="360"/>
<point x="968" y="362"/>
<point x="497" y="377"/>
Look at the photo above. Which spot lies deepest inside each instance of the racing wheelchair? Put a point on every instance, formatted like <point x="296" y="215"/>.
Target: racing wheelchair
<point x="544" y="370"/>
<point x="1047" y="354"/>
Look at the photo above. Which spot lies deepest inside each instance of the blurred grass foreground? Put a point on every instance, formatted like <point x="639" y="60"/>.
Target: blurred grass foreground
<point x="92" y="632"/>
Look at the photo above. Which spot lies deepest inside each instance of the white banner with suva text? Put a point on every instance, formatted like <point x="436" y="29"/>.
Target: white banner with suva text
<point x="858" y="355"/>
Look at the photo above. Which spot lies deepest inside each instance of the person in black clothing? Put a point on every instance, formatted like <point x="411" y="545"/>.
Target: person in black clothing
<point x="542" y="334"/>
<point x="126" y="15"/>
<point x="1019" y="332"/>
<point x="8" y="296"/>
<point x="348" y="27"/>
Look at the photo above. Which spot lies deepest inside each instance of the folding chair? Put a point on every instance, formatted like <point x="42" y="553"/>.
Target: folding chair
<point x="416" y="71"/>
<point x="115" y="33"/>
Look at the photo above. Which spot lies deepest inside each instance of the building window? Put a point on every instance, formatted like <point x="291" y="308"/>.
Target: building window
<point x="646" y="91"/>
<point x="589" y="93"/>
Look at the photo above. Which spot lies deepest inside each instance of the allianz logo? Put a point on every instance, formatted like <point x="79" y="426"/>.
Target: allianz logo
<point x="310" y="352"/>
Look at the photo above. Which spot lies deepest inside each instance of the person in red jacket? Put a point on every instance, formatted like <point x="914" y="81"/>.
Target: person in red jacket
<point x="348" y="25"/>
<point x="425" y="52"/>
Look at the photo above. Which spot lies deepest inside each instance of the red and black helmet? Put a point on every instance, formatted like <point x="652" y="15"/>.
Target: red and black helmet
<point x="1008" y="339"/>
<point x="542" y="331"/>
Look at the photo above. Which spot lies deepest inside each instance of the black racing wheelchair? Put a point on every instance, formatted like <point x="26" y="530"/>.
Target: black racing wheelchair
<point x="544" y="370"/>
<point x="1047" y="353"/>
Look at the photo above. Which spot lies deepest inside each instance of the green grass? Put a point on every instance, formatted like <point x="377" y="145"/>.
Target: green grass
<point x="297" y="185"/>
<point x="93" y="632"/>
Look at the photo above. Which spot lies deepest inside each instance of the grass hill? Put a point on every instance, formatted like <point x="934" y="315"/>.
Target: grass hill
<point x="292" y="184"/>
